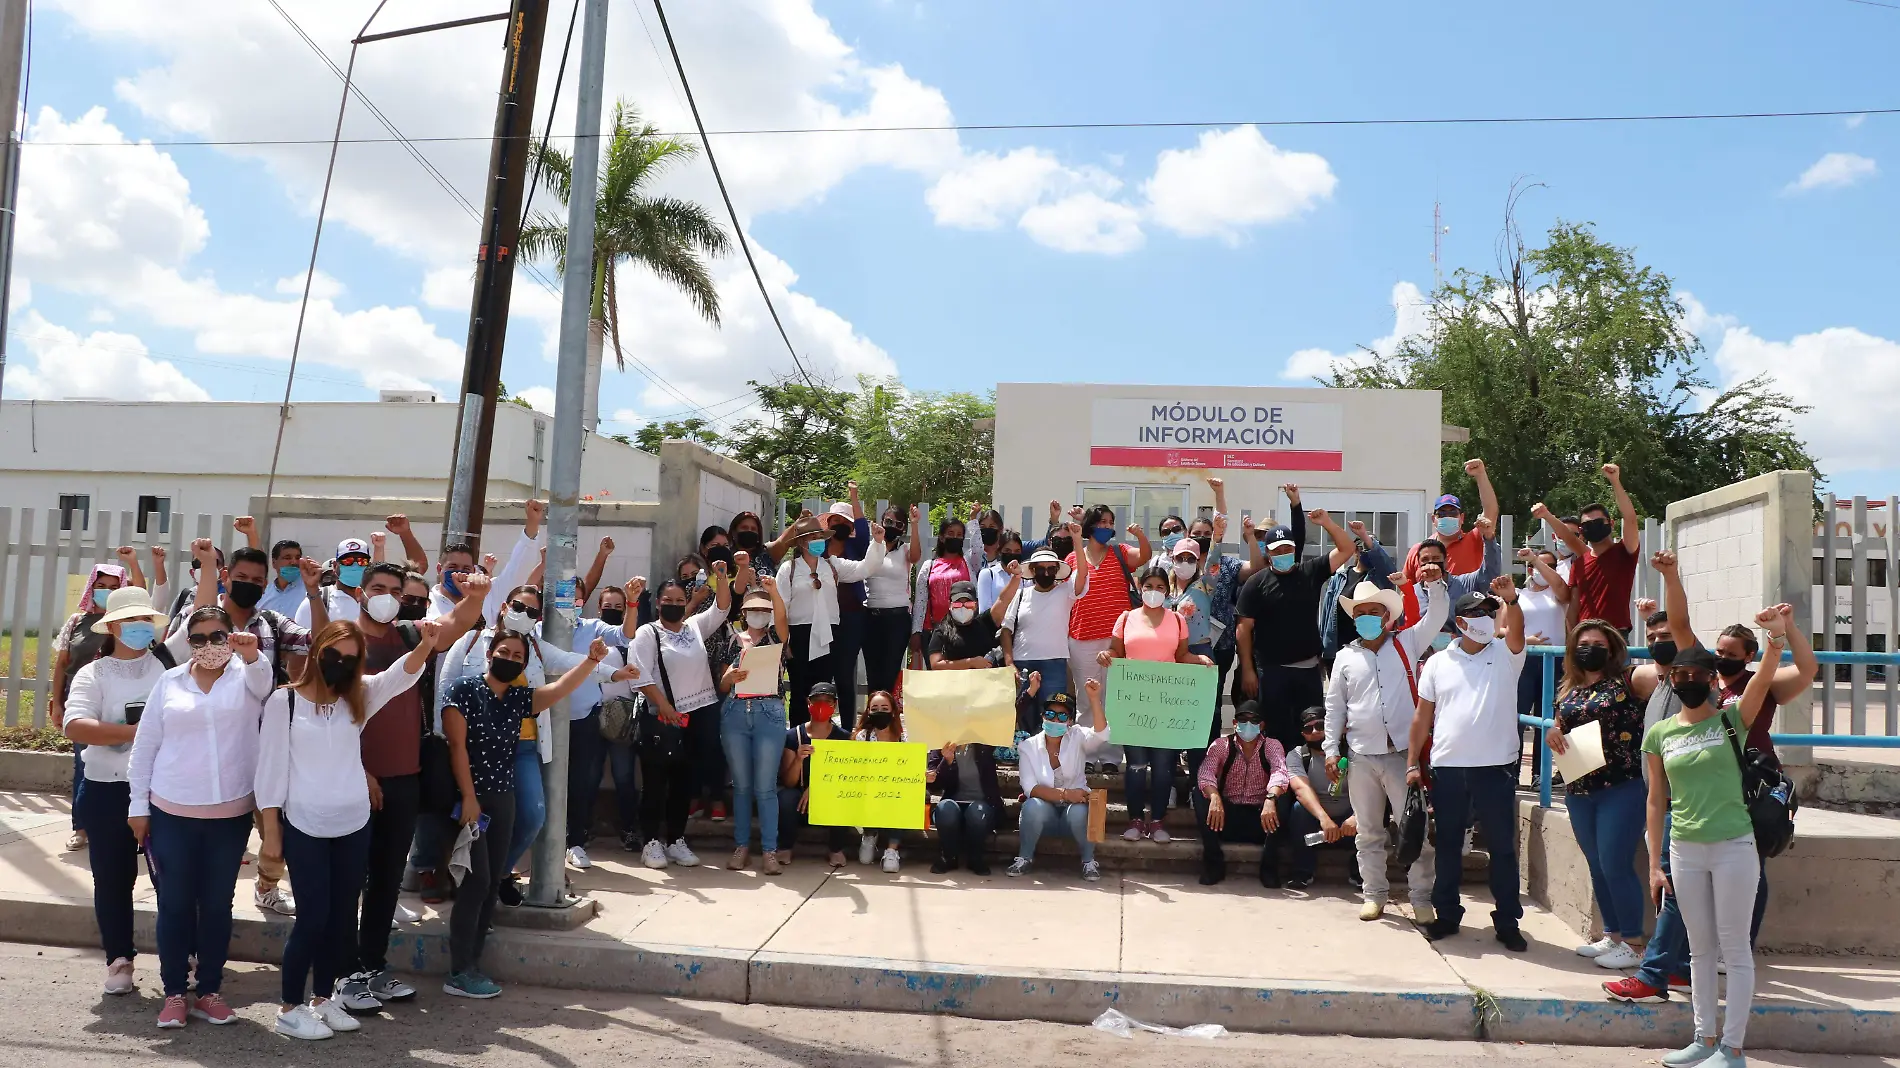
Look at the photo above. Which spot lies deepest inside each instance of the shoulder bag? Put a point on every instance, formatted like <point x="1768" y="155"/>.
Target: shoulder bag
<point x="664" y="740"/>
<point x="1767" y="793"/>
<point x="437" y="790"/>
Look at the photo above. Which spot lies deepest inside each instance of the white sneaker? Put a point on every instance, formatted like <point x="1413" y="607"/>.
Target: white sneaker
<point x="119" y="977"/>
<point x="1721" y="967"/>
<point x="1133" y="833"/>
<point x="276" y="899"/>
<point x="1159" y="834"/>
<point x="335" y="1016"/>
<point x="405" y="914"/>
<point x="1092" y="871"/>
<point x="867" y="848"/>
<point x="653" y="854"/>
<point x="302" y="1021"/>
<point x="890" y="861"/>
<point x="577" y="856"/>
<point x="679" y="853"/>
<point x="1600" y="946"/>
<point x="1621" y="955"/>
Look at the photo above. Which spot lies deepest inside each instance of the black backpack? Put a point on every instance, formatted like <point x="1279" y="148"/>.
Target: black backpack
<point x="1233" y="754"/>
<point x="1768" y="795"/>
<point x="437" y="786"/>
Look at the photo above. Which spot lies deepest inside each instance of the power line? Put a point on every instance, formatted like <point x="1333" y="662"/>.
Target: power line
<point x="737" y="229"/>
<point x="1463" y="120"/>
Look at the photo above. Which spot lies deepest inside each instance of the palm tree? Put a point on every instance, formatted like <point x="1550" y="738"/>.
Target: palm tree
<point x="673" y="238"/>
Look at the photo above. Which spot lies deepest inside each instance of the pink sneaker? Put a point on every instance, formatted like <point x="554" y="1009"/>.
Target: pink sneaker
<point x="174" y="1013"/>
<point x="212" y="1009"/>
<point x="119" y="977"/>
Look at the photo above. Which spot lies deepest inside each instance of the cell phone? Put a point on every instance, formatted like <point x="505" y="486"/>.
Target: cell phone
<point x="134" y="710"/>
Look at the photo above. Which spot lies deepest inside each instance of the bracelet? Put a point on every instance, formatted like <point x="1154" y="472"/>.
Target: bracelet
<point x="1411" y="768"/>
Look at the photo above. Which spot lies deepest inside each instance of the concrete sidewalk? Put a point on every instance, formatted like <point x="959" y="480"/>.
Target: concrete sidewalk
<point x="1049" y="947"/>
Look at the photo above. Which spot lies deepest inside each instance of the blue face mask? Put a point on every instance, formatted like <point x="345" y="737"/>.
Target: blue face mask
<point x="1102" y="535"/>
<point x="137" y="635"/>
<point x="99" y="598"/>
<point x="351" y="575"/>
<point x="1168" y="541"/>
<point x="1054" y="729"/>
<point x="290" y="573"/>
<point x="1247" y="732"/>
<point x="1369" y="627"/>
<point x="449" y="584"/>
<point x="1447" y="525"/>
<point x="1283" y="562"/>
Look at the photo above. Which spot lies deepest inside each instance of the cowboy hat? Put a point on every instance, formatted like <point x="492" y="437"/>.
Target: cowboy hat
<point x="1367" y="593"/>
<point x="128" y="602"/>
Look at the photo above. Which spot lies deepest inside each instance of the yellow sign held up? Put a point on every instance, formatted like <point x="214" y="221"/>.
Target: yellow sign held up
<point x="868" y="784"/>
<point x="976" y="706"/>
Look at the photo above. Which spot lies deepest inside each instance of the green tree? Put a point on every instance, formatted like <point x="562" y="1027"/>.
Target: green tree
<point x="1572" y="356"/>
<point x="803" y="439"/>
<point x="673" y="238"/>
<point x="649" y="436"/>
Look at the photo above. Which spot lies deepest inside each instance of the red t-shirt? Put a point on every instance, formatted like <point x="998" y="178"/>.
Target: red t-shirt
<point x="1602" y="582"/>
<point x="1095" y="612"/>
<point x="392" y="739"/>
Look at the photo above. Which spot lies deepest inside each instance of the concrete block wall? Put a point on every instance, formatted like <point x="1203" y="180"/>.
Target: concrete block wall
<point x="698" y="488"/>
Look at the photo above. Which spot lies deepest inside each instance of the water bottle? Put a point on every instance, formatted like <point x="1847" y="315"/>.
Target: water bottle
<point x="1780" y="793"/>
<point x="1344" y="763"/>
<point x="1317" y="838"/>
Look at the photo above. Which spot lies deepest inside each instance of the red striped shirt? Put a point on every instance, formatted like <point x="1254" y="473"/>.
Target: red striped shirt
<point x="1095" y="612"/>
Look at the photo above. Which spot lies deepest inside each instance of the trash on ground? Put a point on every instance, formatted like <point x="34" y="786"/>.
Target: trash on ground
<point x="1120" y="1023"/>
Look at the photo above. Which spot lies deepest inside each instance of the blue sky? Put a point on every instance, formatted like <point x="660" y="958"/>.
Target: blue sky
<point x="914" y="255"/>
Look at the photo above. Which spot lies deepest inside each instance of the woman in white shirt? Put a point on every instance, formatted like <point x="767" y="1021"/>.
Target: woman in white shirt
<point x="676" y="680"/>
<point x="883" y="722"/>
<point x="887" y="595"/>
<point x="313" y="795"/>
<point x="1055" y="787"/>
<point x="103" y="708"/>
<point x="1546" y="599"/>
<point x="809" y="580"/>
<point x="1036" y="623"/>
<point x="194" y="765"/>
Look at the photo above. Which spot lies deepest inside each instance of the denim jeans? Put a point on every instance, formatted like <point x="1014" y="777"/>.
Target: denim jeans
<point x="847" y="642"/>
<point x="624" y="760"/>
<point x="79" y="788"/>
<point x="531" y="801"/>
<point x="195" y="868"/>
<point x="435" y="834"/>
<point x="753" y="731"/>
<point x="1609" y="825"/>
<point x="963" y="828"/>
<point x="1055" y="677"/>
<point x="1070" y="819"/>
<point x="392" y="830"/>
<point x="474" y="910"/>
<point x="114" y="856"/>
<point x="1146" y="780"/>
<point x="329" y="875"/>
<point x="1460" y="797"/>
<point x="886" y="640"/>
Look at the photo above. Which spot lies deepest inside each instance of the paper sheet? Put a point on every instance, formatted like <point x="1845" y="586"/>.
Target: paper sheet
<point x="760" y="664"/>
<point x="868" y="784"/>
<point x="1161" y="705"/>
<point x="1583" y="752"/>
<point x="960" y="706"/>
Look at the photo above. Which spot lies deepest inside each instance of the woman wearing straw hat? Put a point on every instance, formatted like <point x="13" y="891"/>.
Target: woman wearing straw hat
<point x="102" y="712"/>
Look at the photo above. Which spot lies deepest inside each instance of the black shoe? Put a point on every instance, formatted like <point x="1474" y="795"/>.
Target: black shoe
<point x="1299" y="882"/>
<point x="1513" y="940"/>
<point x="510" y="892"/>
<point x="942" y="865"/>
<point x="1353" y="880"/>
<point x="632" y="842"/>
<point x="978" y="866"/>
<point x="1271" y="879"/>
<point x="1440" y="929"/>
<point x="1211" y="876"/>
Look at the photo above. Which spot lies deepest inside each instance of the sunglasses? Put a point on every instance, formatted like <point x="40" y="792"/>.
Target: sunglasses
<point x="1475" y="613"/>
<point x="216" y="637"/>
<point x="1057" y="717"/>
<point x="414" y="601"/>
<point x="525" y="609"/>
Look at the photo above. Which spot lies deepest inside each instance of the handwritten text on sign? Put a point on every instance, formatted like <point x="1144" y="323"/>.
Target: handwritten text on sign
<point x="868" y="784"/>
<point x="1159" y="705"/>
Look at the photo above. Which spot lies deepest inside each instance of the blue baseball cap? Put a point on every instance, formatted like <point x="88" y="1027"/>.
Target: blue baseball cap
<point x="1448" y="501"/>
<point x="1275" y="535"/>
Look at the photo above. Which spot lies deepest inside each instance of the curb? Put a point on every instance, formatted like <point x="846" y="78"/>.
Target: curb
<point x="588" y="961"/>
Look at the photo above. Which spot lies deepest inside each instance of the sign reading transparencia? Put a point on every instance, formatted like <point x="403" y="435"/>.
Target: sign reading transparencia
<point x="1152" y="432"/>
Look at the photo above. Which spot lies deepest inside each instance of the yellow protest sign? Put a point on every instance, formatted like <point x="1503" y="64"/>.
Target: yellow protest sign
<point x="960" y="706"/>
<point x="868" y="784"/>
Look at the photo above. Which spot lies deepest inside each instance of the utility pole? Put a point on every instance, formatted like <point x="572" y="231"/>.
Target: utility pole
<point x="495" y="269"/>
<point x="12" y="52"/>
<point x="548" y="888"/>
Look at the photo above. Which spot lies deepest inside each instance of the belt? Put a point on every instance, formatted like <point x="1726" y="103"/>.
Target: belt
<point x="887" y="611"/>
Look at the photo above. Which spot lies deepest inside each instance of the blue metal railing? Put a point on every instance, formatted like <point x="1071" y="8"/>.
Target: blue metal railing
<point x="1552" y="657"/>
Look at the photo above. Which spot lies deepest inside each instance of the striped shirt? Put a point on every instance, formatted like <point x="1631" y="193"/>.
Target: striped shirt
<point x="1104" y="600"/>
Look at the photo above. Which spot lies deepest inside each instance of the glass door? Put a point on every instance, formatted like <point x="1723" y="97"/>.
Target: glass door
<point x="1146" y="505"/>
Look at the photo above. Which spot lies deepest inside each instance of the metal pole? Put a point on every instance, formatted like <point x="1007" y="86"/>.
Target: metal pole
<point x="570" y="378"/>
<point x="12" y="51"/>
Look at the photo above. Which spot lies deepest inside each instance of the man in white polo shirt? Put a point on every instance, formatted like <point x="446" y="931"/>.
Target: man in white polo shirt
<point x="1467" y="714"/>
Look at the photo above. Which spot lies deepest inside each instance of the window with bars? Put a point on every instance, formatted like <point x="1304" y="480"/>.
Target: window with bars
<point x="162" y="507"/>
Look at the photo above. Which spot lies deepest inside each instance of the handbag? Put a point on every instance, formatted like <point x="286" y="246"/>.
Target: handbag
<point x="617" y="716"/>
<point x="1414" y="826"/>
<point x="1768" y="794"/>
<point x="665" y="741"/>
<point x="1128" y="577"/>
<point x="436" y="787"/>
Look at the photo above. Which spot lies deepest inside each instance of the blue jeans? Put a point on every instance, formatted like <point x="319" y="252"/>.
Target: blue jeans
<point x="114" y="857"/>
<point x="1055" y="677"/>
<point x="329" y="874"/>
<point x="195" y="868"/>
<point x="1067" y="819"/>
<point x="1486" y="795"/>
<point x="1609" y="826"/>
<point x="1146" y="779"/>
<point x="531" y="800"/>
<point x="963" y="828"/>
<point x="753" y="731"/>
<point x="79" y="788"/>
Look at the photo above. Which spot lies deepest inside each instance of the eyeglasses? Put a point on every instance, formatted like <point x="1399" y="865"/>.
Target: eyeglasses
<point x="525" y="609"/>
<point x="216" y="637"/>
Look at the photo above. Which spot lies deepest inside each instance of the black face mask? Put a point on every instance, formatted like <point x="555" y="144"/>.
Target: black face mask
<point x="672" y="613"/>
<point x="1595" y="530"/>
<point x="1062" y="546"/>
<point x="506" y="670"/>
<point x="245" y="594"/>
<point x="990" y="534"/>
<point x="950" y="546"/>
<point x="1662" y="652"/>
<point x="338" y="671"/>
<point x="877" y="721"/>
<point x="1205" y="543"/>
<point x="1691" y="694"/>
<point x="1007" y="559"/>
<point x="893" y="533"/>
<point x="1729" y="666"/>
<point x="413" y="609"/>
<point x="613" y="617"/>
<point x="747" y="540"/>
<point x="1045" y="580"/>
<point x="1592" y="657"/>
<point x="718" y="554"/>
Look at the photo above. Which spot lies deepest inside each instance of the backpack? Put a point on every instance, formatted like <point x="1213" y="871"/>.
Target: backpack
<point x="1233" y="754"/>
<point x="1768" y="794"/>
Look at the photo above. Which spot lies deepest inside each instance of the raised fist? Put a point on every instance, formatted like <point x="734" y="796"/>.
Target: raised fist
<point x="244" y="525"/>
<point x="1663" y="561"/>
<point x="597" y="651"/>
<point x="1505" y="588"/>
<point x="202" y="552"/>
<point x="607" y="546"/>
<point x="1483" y="527"/>
<point x="1612" y="472"/>
<point x="1474" y="467"/>
<point x="243" y="645"/>
<point x="1430" y="574"/>
<point x="430" y="631"/>
<point x="1318" y="515"/>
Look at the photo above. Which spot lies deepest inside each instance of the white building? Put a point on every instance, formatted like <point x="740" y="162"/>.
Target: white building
<point x="1146" y="451"/>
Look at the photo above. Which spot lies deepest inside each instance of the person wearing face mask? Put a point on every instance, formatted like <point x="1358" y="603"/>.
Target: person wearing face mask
<point x="676" y="678"/>
<point x="887" y="606"/>
<point x="1467" y="714"/>
<point x="1605" y="806"/>
<point x="794" y="796"/>
<point x="316" y="809"/>
<point x="1278" y="626"/>
<point x="76" y="645"/>
<point x="752" y="729"/>
<point x="1545" y="599"/>
<point x="1172" y="529"/>
<point x="966" y="637"/>
<point x="190" y="800"/>
<point x="587" y="752"/>
<point x="1035" y="625"/>
<point x="969" y="801"/>
<point x="883" y="722"/>
<point x="244" y="525"/>
<point x="1464" y="549"/>
<point x="849" y="539"/>
<point x="1315" y="804"/>
<point x="1190" y="597"/>
<point x="810" y="583"/>
<point x="995" y="574"/>
<point x="285" y="592"/>
<point x="1156" y="633"/>
<point x="1432" y="551"/>
<point x="1695" y="789"/>
<point x="103" y="708"/>
<point x="1605" y="565"/>
<point x="459" y="559"/>
<point x="1237" y="795"/>
<point x="747" y="534"/>
<point x="954" y="559"/>
<point x="483" y="716"/>
<point x="1222" y="577"/>
<point x="342" y="602"/>
<point x="1370" y="702"/>
<point x="1051" y="770"/>
<point x="1105" y="590"/>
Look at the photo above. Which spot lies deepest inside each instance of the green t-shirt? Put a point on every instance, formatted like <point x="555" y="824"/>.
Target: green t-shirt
<point x="1705" y="780"/>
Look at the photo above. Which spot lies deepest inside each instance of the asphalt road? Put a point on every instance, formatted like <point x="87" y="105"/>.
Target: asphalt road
<point x="52" y="1013"/>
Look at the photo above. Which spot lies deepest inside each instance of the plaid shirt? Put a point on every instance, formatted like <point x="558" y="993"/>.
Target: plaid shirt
<point x="1247" y="782"/>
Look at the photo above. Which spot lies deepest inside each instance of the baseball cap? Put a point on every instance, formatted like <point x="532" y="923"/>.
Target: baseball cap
<point x="1696" y="656"/>
<point x="963" y="590"/>
<point x="824" y="689"/>
<point x="1315" y="714"/>
<point x="1276" y="535"/>
<point x="1448" y="501"/>
<point x="1186" y="547"/>
<point x="841" y="510"/>
<point x="1475" y="602"/>
<point x="352" y="547"/>
<point x="1065" y="700"/>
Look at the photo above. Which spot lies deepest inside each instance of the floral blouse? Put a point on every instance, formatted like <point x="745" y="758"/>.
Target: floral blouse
<point x="1612" y="703"/>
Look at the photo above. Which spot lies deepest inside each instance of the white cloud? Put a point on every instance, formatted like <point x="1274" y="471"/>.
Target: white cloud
<point x="1233" y="179"/>
<point x="1836" y="170"/>
<point x="1853" y="122"/>
<point x="1085" y="222"/>
<point x="626" y="417"/>
<point x="324" y="287"/>
<point x="986" y="190"/>
<point x="540" y="398"/>
<point x="1411" y="316"/>
<point x="101" y="364"/>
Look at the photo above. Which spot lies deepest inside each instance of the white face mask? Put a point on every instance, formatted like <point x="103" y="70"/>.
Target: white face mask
<point x="1153" y="598"/>
<point x="758" y="620"/>
<point x="1480" y="629"/>
<point x="1185" y="571"/>
<point x="517" y="622"/>
<point x="383" y="607"/>
<point x="963" y="615"/>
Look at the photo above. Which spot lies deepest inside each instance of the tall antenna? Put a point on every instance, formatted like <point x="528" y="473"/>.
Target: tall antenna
<point x="1438" y="244"/>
